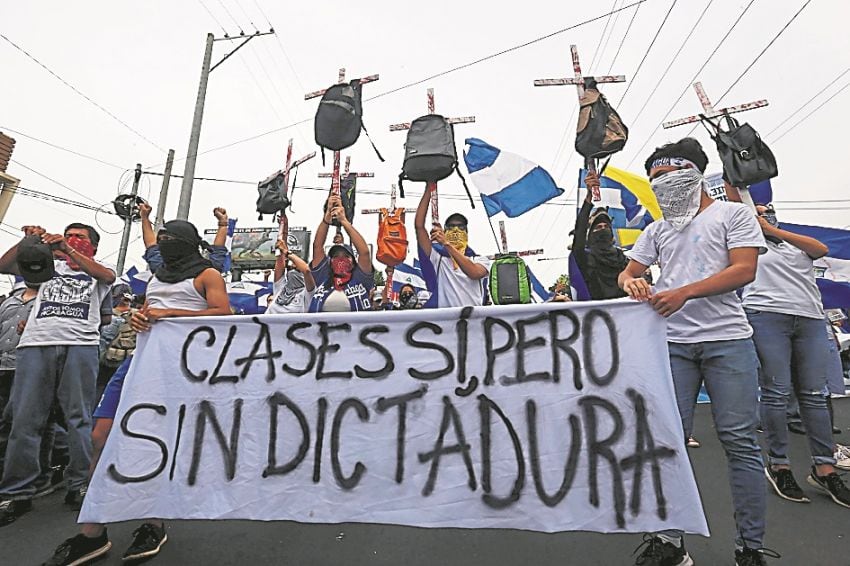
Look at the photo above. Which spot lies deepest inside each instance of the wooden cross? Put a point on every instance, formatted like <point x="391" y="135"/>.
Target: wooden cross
<point x="345" y="174"/>
<point x="283" y="230"/>
<point x="504" y="237"/>
<point x="308" y="96"/>
<point x="709" y="112"/>
<point x="708" y="109"/>
<point x="432" y="186"/>
<point x="581" y="82"/>
<point x="393" y="193"/>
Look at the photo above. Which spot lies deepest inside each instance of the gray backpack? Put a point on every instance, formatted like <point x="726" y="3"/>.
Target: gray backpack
<point x="429" y="152"/>
<point x="273" y="195"/>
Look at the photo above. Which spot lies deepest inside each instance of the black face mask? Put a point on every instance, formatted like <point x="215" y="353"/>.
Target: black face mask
<point x="601" y="238"/>
<point x="407" y="300"/>
<point x="173" y="251"/>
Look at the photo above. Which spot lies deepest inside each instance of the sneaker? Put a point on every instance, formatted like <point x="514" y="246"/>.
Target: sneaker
<point x="79" y="550"/>
<point x="796" y="427"/>
<point x="753" y="557"/>
<point x="16" y="508"/>
<point x="833" y="485"/>
<point x="785" y="485"/>
<point x="661" y="553"/>
<point x="147" y="540"/>
<point x="692" y="442"/>
<point x="842" y="457"/>
<point x="74" y="497"/>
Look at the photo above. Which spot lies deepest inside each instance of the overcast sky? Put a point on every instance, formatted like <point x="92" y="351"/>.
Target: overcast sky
<point x="141" y="61"/>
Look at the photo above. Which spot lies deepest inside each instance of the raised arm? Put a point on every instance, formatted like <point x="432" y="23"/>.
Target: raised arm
<point x="9" y="260"/>
<point x="148" y="234"/>
<point x="422" y="236"/>
<point x="297" y="262"/>
<point x="322" y="232"/>
<point x="89" y="265"/>
<point x="814" y="248"/>
<point x="470" y="268"/>
<point x="220" y="234"/>
<point x="364" y="258"/>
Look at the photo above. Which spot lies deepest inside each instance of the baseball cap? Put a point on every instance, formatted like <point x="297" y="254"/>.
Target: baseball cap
<point x="35" y="260"/>
<point x="336" y="248"/>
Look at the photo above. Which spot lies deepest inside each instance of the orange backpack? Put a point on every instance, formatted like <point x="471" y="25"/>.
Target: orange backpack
<point x="392" y="237"/>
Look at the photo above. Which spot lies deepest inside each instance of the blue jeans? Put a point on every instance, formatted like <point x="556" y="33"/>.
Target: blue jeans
<point x="729" y="369"/>
<point x="67" y="373"/>
<point x="793" y="350"/>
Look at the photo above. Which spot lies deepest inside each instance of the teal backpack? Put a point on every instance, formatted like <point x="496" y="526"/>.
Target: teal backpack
<point x="509" y="281"/>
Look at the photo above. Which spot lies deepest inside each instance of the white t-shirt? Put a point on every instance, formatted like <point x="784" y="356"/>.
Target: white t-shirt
<point x="785" y="283"/>
<point x="455" y="288"/>
<point x="66" y="310"/>
<point x="697" y="252"/>
<point x="282" y="304"/>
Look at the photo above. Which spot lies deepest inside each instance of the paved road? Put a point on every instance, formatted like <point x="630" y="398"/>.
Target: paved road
<point x="817" y="534"/>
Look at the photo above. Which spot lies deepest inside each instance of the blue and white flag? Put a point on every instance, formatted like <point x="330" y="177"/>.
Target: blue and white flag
<point x="408" y="275"/>
<point x="507" y="182"/>
<point x="228" y="243"/>
<point x="832" y="272"/>
<point x="137" y="280"/>
<point x="249" y="297"/>
<point x="539" y="293"/>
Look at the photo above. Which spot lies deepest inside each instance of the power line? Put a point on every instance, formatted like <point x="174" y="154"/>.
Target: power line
<point x="72" y="87"/>
<point x="754" y="61"/>
<point x="218" y="23"/>
<point x="806" y="103"/>
<point x="804" y="118"/>
<point x="241" y="31"/>
<point x="688" y="85"/>
<point x="610" y="35"/>
<point x="53" y="181"/>
<point x="59" y="147"/>
<point x="421" y="81"/>
<point x="672" y="61"/>
<point x="601" y="37"/>
<point x="622" y="41"/>
<point x="633" y="78"/>
<point x="24" y="191"/>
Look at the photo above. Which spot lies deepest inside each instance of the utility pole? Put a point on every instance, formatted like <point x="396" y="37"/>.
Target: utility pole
<point x="195" y="135"/>
<point x="163" y="192"/>
<point x="128" y="222"/>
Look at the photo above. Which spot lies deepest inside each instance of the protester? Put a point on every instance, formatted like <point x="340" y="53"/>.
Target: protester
<point x="293" y="283"/>
<point x="216" y="252"/>
<point x="343" y="282"/>
<point x="459" y="272"/>
<point x="117" y="339"/>
<point x="706" y="249"/>
<point x="785" y="310"/>
<point x="185" y="285"/>
<point x="598" y="259"/>
<point x="57" y="355"/>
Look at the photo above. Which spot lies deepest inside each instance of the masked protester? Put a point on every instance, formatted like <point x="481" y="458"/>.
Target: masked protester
<point x="343" y="282"/>
<point x="293" y="283"/>
<point x="706" y="249"/>
<point x="407" y="298"/>
<point x="57" y="356"/>
<point x="785" y="309"/>
<point x="599" y="260"/>
<point x="459" y="272"/>
<point x="185" y="284"/>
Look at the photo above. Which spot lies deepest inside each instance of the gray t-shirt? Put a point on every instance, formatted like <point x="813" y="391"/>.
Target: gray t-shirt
<point x="12" y="311"/>
<point x="66" y="310"/>
<point x="697" y="252"/>
<point x="785" y="283"/>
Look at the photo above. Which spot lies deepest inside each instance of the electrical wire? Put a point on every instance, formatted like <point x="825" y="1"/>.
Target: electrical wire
<point x="417" y="82"/>
<point x="806" y="103"/>
<point x="602" y="37"/>
<point x="63" y="185"/>
<point x="241" y="31"/>
<point x="247" y="17"/>
<point x="608" y="39"/>
<point x="80" y="93"/>
<point x="59" y="147"/>
<point x="204" y="6"/>
<point x="634" y="76"/>
<point x="806" y="117"/>
<point x="27" y="192"/>
<point x="754" y="61"/>
<point x="688" y="85"/>
<point x="672" y="61"/>
<point x="622" y="41"/>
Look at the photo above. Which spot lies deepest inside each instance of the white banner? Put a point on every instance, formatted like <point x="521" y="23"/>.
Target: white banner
<point x="543" y="417"/>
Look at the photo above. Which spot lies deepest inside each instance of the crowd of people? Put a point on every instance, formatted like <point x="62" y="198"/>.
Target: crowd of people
<point x="745" y="320"/>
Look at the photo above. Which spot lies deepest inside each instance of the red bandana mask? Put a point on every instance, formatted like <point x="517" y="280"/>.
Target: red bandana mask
<point x="81" y="246"/>
<point x="342" y="268"/>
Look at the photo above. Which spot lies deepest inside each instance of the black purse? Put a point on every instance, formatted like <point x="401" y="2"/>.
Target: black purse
<point x="746" y="158"/>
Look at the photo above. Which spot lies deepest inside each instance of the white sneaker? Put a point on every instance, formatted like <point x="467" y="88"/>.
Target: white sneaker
<point x="842" y="457"/>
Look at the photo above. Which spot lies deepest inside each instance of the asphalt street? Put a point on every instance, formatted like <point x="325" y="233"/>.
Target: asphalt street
<point x="814" y="534"/>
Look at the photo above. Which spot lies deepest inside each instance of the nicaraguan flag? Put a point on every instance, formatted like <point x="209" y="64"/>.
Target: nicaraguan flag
<point x="507" y="182"/>
<point x="228" y="243"/>
<point x="408" y="275"/>
<point x="832" y="272"/>
<point x="137" y="280"/>
<point x="249" y="297"/>
<point x="631" y="203"/>
<point x="539" y="293"/>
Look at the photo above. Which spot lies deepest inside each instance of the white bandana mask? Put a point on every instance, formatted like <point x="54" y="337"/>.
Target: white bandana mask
<point x="678" y="193"/>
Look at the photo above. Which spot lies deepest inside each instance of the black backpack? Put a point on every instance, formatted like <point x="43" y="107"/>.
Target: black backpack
<point x="746" y="158"/>
<point x="429" y="152"/>
<point x="339" y="118"/>
<point x="273" y="195"/>
<point x="600" y="131"/>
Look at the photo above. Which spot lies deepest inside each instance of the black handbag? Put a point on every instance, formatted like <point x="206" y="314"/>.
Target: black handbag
<point x="746" y="158"/>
